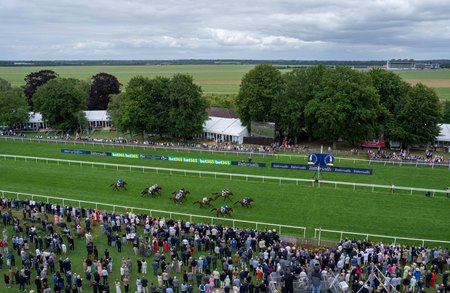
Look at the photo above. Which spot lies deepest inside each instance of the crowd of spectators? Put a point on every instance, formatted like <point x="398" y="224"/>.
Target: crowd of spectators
<point x="11" y="132"/>
<point x="167" y="255"/>
<point x="404" y="155"/>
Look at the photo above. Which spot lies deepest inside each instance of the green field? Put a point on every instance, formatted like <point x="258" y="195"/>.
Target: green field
<point x="212" y="78"/>
<point x="443" y="93"/>
<point x="359" y="210"/>
<point x="222" y="79"/>
<point x="425" y="74"/>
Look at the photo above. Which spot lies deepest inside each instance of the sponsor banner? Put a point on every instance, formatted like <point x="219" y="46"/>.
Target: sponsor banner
<point x="153" y="157"/>
<point x="361" y="171"/>
<point x="248" y="164"/>
<point x="322" y="160"/>
<point x="77" y="152"/>
<point x="165" y="158"/>
<point x="106" y="154"/>
<point x="379" y="143"/>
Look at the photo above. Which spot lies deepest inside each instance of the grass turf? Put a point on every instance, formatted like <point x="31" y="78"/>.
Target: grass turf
<point x="420" y="177"/>
<point x="397" y="214"/>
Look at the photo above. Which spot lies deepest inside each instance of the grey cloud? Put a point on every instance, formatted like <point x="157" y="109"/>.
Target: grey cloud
<point x="285" y="29"/>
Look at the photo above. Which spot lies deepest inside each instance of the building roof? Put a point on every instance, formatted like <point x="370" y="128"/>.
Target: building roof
<point x="34" y="117"/>
<point x="444" y="133"/>
<point x="222" y="112"/>
<point x="98" y="115"/>
<point x="227" y="126"/>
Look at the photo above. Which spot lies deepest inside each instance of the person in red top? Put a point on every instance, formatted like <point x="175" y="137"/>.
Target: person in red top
<point x="433" y="278"/>
<point x="165" y="246"/>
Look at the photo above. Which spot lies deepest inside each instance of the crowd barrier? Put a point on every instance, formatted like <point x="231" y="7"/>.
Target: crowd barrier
<point x="151" y="212"/>
<point x="246" y="177"/>
<point x="234" y="152"/>
<point x="258" y="225"/>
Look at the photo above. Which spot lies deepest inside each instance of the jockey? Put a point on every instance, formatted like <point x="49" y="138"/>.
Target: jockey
<point x="120" y="181"/>
<point x="225" y="192"/>
<point x="153" y="187"/>
<point x="205" y="199"/>
<point x="224" y="208"/>
<point x="245" y="200"/>
<point x="182" y="190"/>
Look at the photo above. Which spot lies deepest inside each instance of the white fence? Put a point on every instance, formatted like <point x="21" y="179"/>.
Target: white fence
<point x="231" y="176"/>
<point x="257" y="225"/>
<point x="318" y="236"/>
<point x="113" y="207"/>
<point x="233" y="152"/>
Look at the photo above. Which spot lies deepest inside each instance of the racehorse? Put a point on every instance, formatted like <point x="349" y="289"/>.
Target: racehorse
<point x="206" y="201"/>
<point x="223" y="211"/>
<point x="116" y="185"/>
<point x="226" y="194"/>
<point x="178" y="196"/>
<point x="245" y="202"/>
<point x="153" y="192"/>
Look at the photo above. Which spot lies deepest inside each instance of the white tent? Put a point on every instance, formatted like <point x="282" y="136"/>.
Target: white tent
<point x="34" y="121"/>
<point x="95" y="119"/>
<point x="98" y="118"/>
<point x="444" y="135"/>
<point x="224" y="129"/>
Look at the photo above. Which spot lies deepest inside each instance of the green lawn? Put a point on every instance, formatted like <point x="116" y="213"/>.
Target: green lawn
<point x="436" y="178"/>
<point x="205" y="73"/>
<point x="443" y="93"/>
<point x="399" y="214"/>
<point x="424" y="74"/>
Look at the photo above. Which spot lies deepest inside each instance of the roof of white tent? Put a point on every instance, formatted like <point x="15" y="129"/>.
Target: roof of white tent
<point x="98" y="115"/>
<point x="34" y="117"/>
<point x="444" y="133"/>
<point x="227" y="126"/>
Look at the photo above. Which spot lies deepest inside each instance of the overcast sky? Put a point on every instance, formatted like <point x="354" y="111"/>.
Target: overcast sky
<point x="210" y="29"/>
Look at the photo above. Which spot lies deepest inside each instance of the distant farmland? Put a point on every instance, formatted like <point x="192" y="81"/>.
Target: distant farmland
<point x="222" y="79"/>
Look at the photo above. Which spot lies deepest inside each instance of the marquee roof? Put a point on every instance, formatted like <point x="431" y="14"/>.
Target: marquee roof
<point x="444" y="133"/>
<point x="227" y="126"/>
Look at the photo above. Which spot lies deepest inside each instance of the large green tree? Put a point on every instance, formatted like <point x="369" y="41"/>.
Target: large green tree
<point x="161" y="106"/>
<point x="300" y="87"/>
<point x="346" y="107"/>
<point x="393" y="95"/>
<point x="36" y="79"/>
<point x="259" y="89"/>
<point x="13" y="107"/>
<point x="103" y="86"/>
<point x="143" y="108"/>
<point x="419" y="117"/>
<point x="61" y="102"/>
<point x="187" y="110"/>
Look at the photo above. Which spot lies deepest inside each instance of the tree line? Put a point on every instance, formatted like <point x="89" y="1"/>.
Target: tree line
<point x="318" y="102"/>
<point x="165" y="106"/>
<point x="341" y="104"/>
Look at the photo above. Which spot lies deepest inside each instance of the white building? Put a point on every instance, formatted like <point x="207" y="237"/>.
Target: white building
<point x="96" y="119"/>
<point x="35" y="121"/>
<point x="224" y="129"/>
<point x="215" y="128"/>
<point x="444" y="136"/>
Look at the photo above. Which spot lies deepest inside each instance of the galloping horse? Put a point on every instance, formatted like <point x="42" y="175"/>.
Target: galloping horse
<point x="206" y="201"/>
<point x="152" y="191"/>
<point x="223" y="211"/>
<point x="226" y="194"/>
<point x="116" y="185"/>
<point x="178" y="196"/>
<point x="245" y="202"/>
